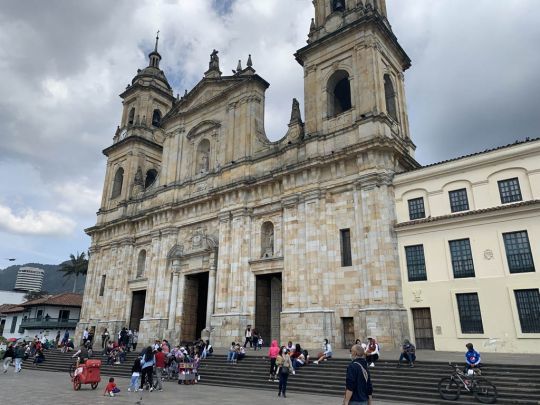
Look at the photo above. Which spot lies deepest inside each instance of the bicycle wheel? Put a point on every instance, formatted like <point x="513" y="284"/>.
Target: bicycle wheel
<point x="484" y="391"/>
<point x="449" y="389"/>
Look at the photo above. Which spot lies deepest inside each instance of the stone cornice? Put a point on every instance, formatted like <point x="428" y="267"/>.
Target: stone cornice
<point x="524" y="206"/>
<point x="132" y="139"/>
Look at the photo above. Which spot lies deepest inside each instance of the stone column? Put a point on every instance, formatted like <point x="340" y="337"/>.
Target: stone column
<point x="211" y="294"/>
<point x="174" y="294"/>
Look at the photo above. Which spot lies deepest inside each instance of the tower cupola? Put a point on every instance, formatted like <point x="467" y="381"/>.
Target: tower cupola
<point x="154" y="56"/>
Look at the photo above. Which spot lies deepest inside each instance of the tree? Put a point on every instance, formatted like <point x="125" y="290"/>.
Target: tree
<point x="34" y="295"/>
<point x="76" y="266"/>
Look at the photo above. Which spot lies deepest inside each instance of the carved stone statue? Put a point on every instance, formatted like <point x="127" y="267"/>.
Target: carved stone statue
<point x="214" y="60"/>
<point x="338" y="5"/>
<point x="204" y="162"/>
<point x="139" y="181"/>
<point x="295" y="111"/>
<point x="267" y="240"/>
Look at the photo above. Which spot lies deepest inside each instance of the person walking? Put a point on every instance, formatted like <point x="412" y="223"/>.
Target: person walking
<point x="359" y="390"/>
<point x="248" y="335"/>
<point x="19" y="355"/>
<point x="272" y="354"/>
<point x="8" y="357"/>
<point x="160" y="365"/>
<point x="285" y="367"/>
<point x="105" y="338"/>
<point x="85" y="336"/>
<point x="135" y="340"/>
<point x="147" y="363"/>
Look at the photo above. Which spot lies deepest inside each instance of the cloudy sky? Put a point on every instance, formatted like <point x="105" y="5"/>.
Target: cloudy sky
<point x="474" y="84"/>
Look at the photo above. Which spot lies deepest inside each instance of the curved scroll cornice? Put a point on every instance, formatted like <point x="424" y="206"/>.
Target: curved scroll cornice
<point x="203" y="127"/>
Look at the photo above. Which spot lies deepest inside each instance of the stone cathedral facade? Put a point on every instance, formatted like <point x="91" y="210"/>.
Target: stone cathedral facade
<point x="206" y="226"/>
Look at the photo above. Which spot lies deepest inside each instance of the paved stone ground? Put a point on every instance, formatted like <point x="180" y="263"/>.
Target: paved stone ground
<point x="32" y="387"/>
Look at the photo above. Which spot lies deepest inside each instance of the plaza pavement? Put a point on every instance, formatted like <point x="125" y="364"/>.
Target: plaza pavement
<point x="31" y="387"/>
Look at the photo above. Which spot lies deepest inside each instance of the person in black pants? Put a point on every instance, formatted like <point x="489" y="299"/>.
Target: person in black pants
<point x="285" y="367"/>
<point x="148" y="362"/>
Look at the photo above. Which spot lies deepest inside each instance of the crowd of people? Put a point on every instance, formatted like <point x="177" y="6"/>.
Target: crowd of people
<point x="180" y="362"/>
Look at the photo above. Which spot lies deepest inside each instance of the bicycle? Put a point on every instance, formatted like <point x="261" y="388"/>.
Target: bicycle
<point x="482" y="389"/>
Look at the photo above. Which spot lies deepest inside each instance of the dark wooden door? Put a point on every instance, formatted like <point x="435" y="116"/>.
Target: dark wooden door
<point x="137" y="309"/>
<point x="348" y="332"/>
<point x="423" y="330"/>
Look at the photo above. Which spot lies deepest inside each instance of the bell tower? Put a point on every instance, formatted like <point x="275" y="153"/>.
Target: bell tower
<point x="134" y="159"/>
<point x="353" y="72"/>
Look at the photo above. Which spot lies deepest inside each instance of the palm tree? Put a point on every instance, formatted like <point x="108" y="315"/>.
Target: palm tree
<point x="78" y="265"/>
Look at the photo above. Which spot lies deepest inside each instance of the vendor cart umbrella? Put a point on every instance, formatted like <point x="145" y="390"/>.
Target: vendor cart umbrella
<point x="12" y="339"/>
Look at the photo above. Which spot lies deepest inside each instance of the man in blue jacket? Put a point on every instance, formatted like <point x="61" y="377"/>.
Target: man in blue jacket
<point x="359" y="390"/>
<point x="472" y="357"/>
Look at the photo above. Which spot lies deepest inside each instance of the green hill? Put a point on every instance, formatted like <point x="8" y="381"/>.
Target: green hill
<point x="54" y="281"/>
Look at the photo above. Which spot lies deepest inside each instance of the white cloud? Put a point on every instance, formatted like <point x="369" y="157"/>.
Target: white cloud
<point x="78" y="198"/>
<point x="30" y="222"/>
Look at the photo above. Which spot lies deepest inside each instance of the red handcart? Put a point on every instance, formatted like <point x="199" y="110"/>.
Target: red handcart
<point x="87" y="373"/>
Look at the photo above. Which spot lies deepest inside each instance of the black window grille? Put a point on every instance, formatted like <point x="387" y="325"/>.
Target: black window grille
<point x="462" y="261"/>
<point x="528" y="306"/>
<point x="470" y="316"/>
<point x="416" y="208"/>
<point x="458" y="200"/>
<point x="518" y="252"/>
<point x="416" y="263"/>
<point x="346" y="258"/>
<point x="509" y="190"/>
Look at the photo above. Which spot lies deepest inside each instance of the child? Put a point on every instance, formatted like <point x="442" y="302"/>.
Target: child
<point x="260" y="343"/>
<point x="111" y="388"/>
<point x="135" y="373"/>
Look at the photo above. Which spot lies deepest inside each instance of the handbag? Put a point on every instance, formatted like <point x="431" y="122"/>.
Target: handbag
<point x="284" y="370"/>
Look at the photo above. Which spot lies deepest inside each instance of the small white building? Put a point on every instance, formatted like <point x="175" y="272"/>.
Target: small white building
<point x="42" y="317"/>
<point x="469" y="246"/>
<point x="11" y="297"/>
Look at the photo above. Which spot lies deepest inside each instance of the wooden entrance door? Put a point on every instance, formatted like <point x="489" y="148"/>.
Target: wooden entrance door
<point x="423" y="330"/>
<point x="137" y="309"/>
<point x="348" y="332"/>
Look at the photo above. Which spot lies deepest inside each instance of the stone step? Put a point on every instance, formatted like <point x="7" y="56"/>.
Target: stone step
<point x="516" y="384"/>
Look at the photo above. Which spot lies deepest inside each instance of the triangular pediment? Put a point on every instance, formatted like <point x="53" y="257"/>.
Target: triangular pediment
<point x="206" y="91"/>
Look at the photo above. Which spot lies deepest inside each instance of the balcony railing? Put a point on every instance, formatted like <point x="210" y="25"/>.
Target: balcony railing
<point x="48" y="323"/>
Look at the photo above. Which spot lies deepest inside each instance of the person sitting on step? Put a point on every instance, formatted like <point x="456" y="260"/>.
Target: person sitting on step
<point x="408" y="352"/>
<point x="231" y="357"/>
<point x="326" y="353"/>
<point x="472" y="358"/>
<point x="372" y="351"/>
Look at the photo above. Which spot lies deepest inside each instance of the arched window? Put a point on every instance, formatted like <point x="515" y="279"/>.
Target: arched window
<point x="150" y="177"/>
<point x="267" y="239"/>
<point x="156" y="118"/>
<point x="141" y="263"/>
<point x="117" y="183"/>
<point x="338" y="5"/>
<point x="203" y="156"/>
<point x="390" y="96"/>
<point x="131" y="117"/>
<point x="339" y="93"/>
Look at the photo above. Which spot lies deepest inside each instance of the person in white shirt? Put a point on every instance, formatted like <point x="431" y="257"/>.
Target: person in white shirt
<point x="326" y="353"/>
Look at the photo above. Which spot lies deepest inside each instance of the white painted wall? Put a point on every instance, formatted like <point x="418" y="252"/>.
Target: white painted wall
<point x="493" y="282"/>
